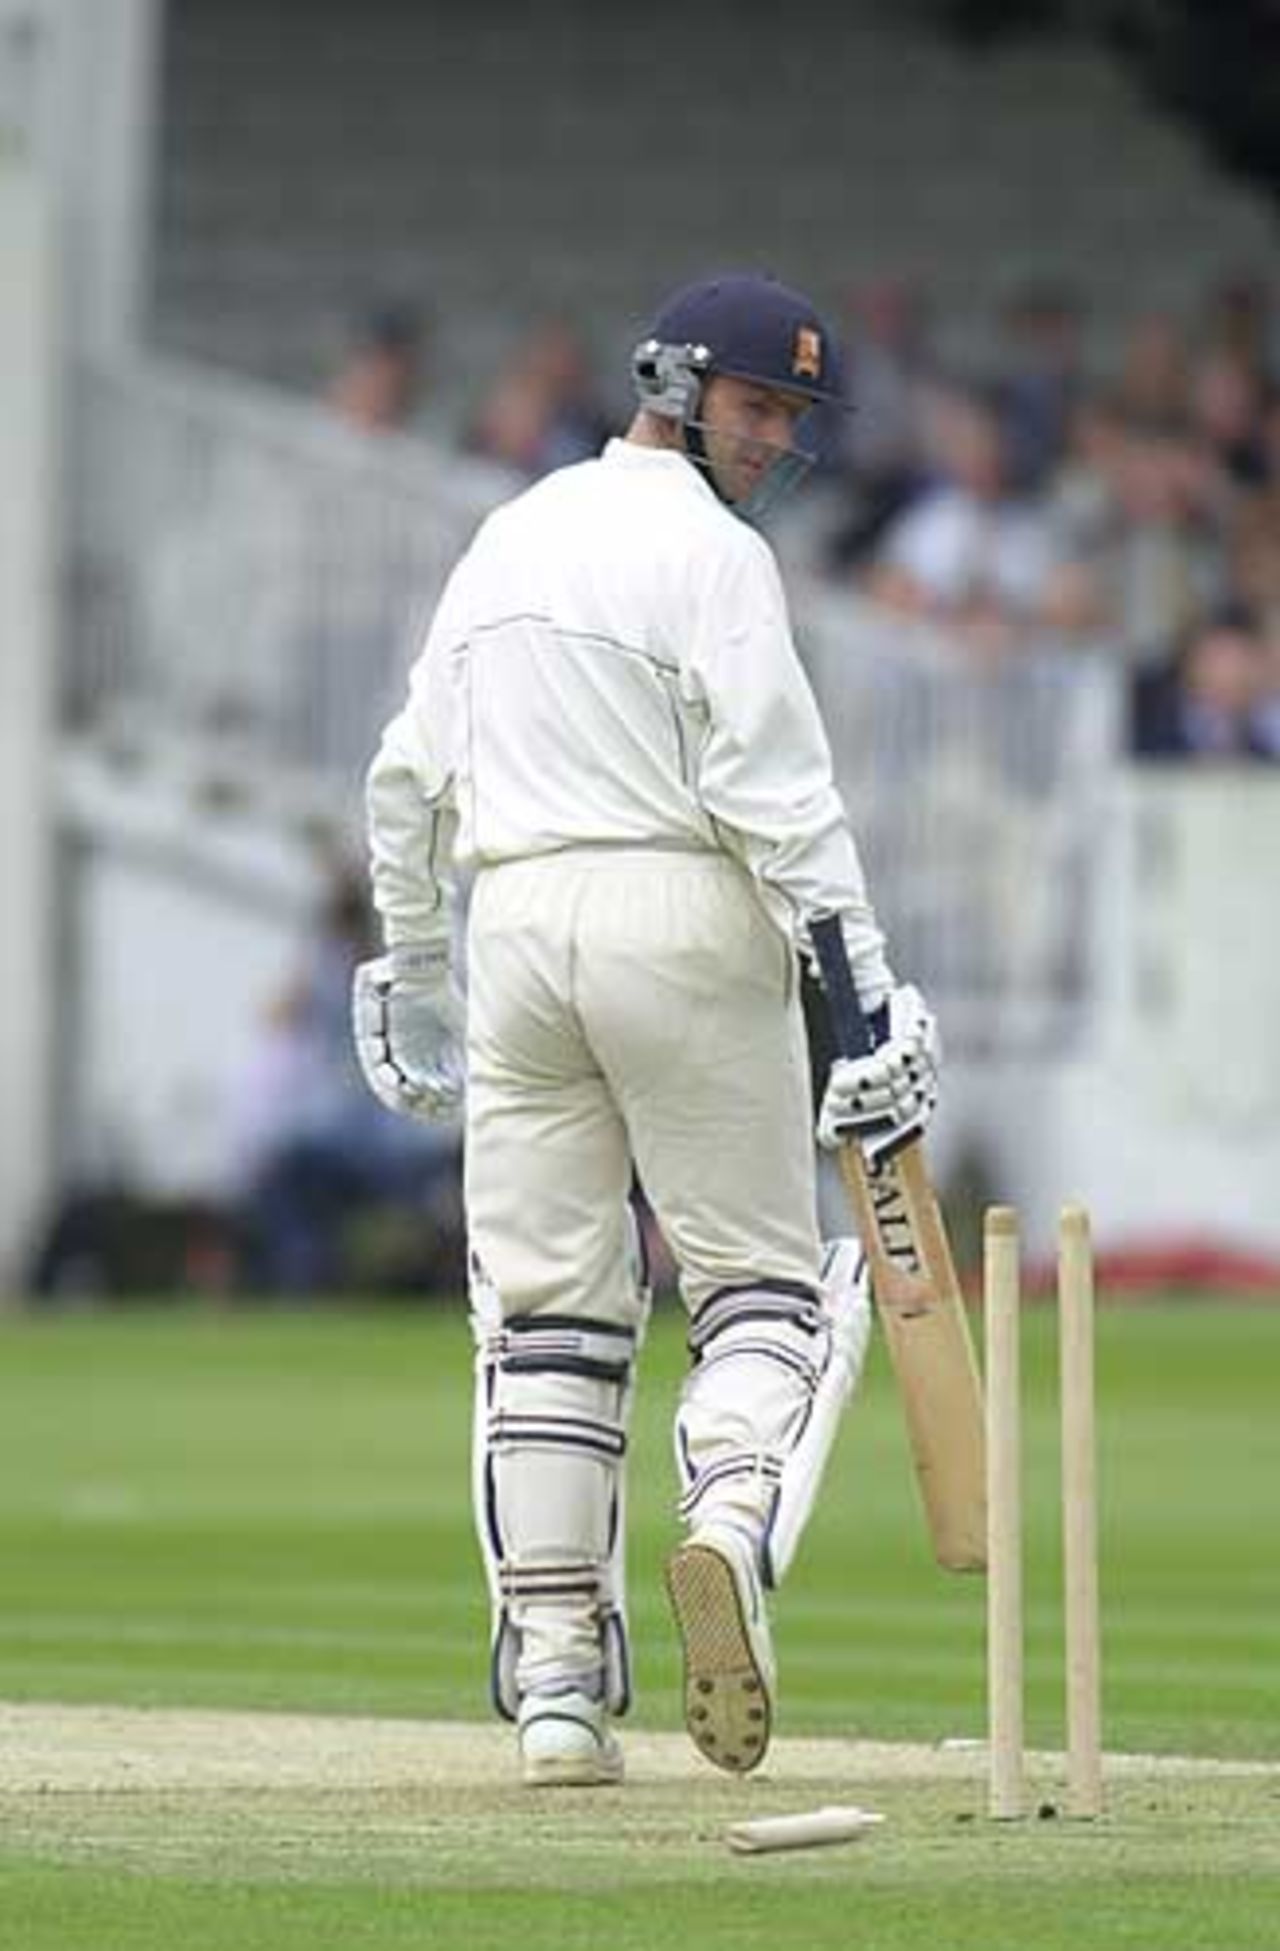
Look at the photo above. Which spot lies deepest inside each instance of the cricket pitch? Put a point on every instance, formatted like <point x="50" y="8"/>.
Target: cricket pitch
<point x="279" y="1796"/>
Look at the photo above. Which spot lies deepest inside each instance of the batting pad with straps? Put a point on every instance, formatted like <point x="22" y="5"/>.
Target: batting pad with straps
<point x="553" y="1396"/>
<point x="773" y="1367"/>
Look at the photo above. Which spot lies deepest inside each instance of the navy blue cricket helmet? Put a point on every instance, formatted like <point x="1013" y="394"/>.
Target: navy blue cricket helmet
<point x="750" y="327"/>
<point x="743" y="325"/>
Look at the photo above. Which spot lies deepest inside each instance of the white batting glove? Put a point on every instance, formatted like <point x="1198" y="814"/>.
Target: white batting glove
<point x="409" y="1018"/>
<point x="882" y="1099"/>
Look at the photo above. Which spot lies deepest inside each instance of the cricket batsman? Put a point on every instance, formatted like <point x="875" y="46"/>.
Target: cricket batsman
<point x="609" y="729"/>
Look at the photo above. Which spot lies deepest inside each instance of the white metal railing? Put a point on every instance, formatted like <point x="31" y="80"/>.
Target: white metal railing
<point x="979" y="796"/>
<point x="245" y="571"/>
<point x="248" y="577"/>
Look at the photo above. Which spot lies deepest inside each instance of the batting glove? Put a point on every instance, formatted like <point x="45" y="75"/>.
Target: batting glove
<point x="408" y="1016"/>
<point x="881" y="1100"/>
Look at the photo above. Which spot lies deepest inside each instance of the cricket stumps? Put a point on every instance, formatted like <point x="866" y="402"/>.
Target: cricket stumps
<point x="1005" y="1614"/>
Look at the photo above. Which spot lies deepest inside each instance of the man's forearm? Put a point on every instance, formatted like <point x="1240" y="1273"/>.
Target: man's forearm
<point x="411" y="841"/>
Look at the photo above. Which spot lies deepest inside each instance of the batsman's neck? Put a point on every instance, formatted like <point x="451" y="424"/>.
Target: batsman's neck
<point x="654" y="430"/>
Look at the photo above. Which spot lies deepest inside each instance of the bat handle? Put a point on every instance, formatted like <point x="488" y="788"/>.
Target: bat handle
<point x="848" y="1024"/>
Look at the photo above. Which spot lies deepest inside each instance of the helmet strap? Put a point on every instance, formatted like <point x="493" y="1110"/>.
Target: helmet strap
<point x="696" y="449"/>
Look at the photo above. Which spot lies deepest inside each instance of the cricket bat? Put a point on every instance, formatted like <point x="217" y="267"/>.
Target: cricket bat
<point x="918" y="1299"/>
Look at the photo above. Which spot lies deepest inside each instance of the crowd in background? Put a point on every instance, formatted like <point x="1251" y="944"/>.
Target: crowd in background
<point x="1037" y="498"/>
<point x="1137" y="508"/>
<point x="1131" y="511"/>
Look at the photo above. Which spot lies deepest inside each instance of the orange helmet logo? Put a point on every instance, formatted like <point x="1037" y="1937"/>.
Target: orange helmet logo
<point x="806" y="359"/>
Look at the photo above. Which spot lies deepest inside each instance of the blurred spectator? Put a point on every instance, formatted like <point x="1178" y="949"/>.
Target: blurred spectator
<point x="312" y="1147"/>
<point x="891" y="358"/>
<point x="542" y="412"/>
<point x="1253" y="561"/>
<point x="378" y="385"/>
<point x="1040" y="378"/>
<point x="975" y="551"/>
<point x="1206" y="704"/>
<point x="1155" y="547"/>
<point x="1228" y="404"/>
<point x="1084" y="491"/>
<point x="1152" y="387"/>
<point x="890" y="365"/>
<point x="1239" y="322"/>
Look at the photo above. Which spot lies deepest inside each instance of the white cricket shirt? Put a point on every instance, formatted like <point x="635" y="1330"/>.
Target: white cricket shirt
<point x="611" y="664"/>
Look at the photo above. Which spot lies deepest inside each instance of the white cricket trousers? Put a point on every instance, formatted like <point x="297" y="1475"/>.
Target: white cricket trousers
<point x="633" y="1005"/>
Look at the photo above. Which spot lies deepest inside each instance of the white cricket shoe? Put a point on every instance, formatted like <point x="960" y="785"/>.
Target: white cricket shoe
<point x="566" y="1742"/>
<point x="716" y="1595"/>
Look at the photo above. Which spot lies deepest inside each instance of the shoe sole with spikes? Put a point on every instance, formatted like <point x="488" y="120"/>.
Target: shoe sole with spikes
<point x="727" y="1705"/>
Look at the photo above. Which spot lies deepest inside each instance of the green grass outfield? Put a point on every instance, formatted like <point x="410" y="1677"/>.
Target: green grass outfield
<point x="269" y="1512"/>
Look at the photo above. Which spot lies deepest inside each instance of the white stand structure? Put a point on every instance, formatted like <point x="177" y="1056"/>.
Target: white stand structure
<point x="27" y="688"/>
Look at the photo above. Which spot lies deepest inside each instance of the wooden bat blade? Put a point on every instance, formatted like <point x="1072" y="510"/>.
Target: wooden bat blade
<point x="926" y="1329"/>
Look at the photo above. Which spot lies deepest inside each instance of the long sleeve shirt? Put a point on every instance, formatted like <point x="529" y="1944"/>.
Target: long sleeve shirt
<point x="611" y="663"/>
